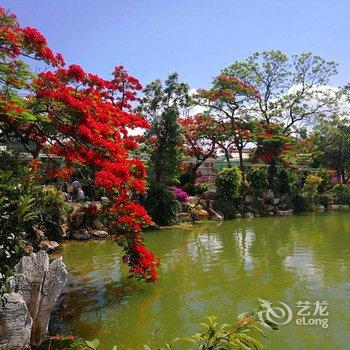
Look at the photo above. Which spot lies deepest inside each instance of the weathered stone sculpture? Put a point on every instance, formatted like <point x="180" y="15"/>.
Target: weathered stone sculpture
<point x="36" y="286"/>
<point x="15" y="323"/>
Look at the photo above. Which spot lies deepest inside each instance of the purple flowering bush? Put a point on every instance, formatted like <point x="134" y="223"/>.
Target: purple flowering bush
<point x="180" y="194"/>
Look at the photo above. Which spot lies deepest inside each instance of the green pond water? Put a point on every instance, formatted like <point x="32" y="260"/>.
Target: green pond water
<point x="215" y="269"/>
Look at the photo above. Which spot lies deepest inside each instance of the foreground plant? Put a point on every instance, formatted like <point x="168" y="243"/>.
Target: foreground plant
<point x="241" y="335"/>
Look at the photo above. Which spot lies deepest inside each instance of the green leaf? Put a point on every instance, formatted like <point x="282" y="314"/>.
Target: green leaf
<point x="93" y="344"/>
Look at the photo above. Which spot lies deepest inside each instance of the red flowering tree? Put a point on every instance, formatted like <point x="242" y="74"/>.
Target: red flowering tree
<point x="201" y="139"/>
<point x="223" y="102"/>
<point x="271" y="145"/>
<point x="84" y="119"/>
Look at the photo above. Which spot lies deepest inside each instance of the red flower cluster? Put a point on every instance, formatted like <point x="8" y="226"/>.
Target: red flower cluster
<point x="84" y="119"/>
<point x="143" y="262"/>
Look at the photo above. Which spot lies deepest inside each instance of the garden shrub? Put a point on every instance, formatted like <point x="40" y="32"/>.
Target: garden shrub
<point x="342" y="194"/>
<point x="323" y="199"/>
<point x="201" y="188"/>
<point x="186" y="178"/>
<point x="228" y="185"/>
<point x="310" y="190"/>
<point x="258" y="179"/>
<point x="326" y="176"/>
<point x="180" y="194"/>
<point x="195" y="190"/>
<point x="28" y="213"/>
<point x="286" y="179"/>
<point x="162" y="205"/>
<point x="300" y="203"/>
<point x="259" y="206"/>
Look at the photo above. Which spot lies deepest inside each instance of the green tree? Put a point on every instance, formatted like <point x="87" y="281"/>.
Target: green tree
<point x="291" y="90"/>
<point x="223" y="102"/>
<point x="332" y="141"/>
<point x="162" y="105"/>
<point x="228" y="185"/>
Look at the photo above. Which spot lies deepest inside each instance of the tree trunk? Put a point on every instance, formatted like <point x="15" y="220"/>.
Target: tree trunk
<point x="241" y="161"/>
<point x="227" y="156"/>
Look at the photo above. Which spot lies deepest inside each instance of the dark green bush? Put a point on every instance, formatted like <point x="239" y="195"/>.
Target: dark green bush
<point x="257" y="178"/>
<point x="299" y="203"/>
<point x="190" y="188"/>
<point x="162" y="205"/>
<point x="195" y="190"/>
<point x="186" y="178"/>
<point x="28" y="212"/>
<point x="201" y="188"/>
<point x="323" y="199"/>
<point x="228" y="185"/>
<point x="286" y="179"/>
<point x="326" y="177"/>
<point x="341" y="193"/>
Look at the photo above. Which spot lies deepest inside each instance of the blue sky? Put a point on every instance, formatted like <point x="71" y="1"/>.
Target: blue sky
<point x="196" y="38"/>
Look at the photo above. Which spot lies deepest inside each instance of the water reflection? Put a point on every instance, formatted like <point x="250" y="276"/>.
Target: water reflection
<point x="214" y="269"/>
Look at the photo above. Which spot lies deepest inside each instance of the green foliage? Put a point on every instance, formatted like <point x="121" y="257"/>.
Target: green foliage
<point x="27" y="210"/>
<point x="195" y="190"/>
<point x="162" y="205"/>
<point x="274" y="74"/>
<point x="201" y="188"/>
<point x="342" y="194"/>
<point x="326" y="177"/>
<point x="243" y="335"/>
<point x="162" y="104"/>
<point x="257" y="178"/>
<point x="286" y="179"/>
<point x="310" y="189"/>
<point x="323" y="199"/>
<point x="228" y="185"/>
<point x="186" y="178"/>
<point x="300" y="203"/>
<point x="332" y="141"/>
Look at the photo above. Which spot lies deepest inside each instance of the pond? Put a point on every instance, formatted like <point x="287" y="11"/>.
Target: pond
<point x="215" y="269"/>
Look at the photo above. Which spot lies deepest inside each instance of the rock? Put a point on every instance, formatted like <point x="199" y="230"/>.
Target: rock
<point x="338" y="206"/>
<point x="205" y="203"/>
<point x="184" y="217"/>
<point x="39" y="283"/>
<point x="76" y="218"/>
<point x="271" y="213"/>
<point x="99" y="234"/>
<point x="48" y="246"/>
<point x="209" y="195"/>
<point x="200" y="214"/>
<point x="269" y="207"/>
<point x="284" y="212"/>
<point x="248" y="215"/>
<point x="321" y="208"/>
<point x="55" y="280"/>
<point x="194" y="200"/>
<point x="213" y="215"/>
<point x="65" y="229"/>
<point x="15" y="323"/>
<point x="257" y="215"/>
<point x="96" y="224"/>
<point x="38" y="233"/>
<point x="238" y="215"/>
<point x="81" y="234"/>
